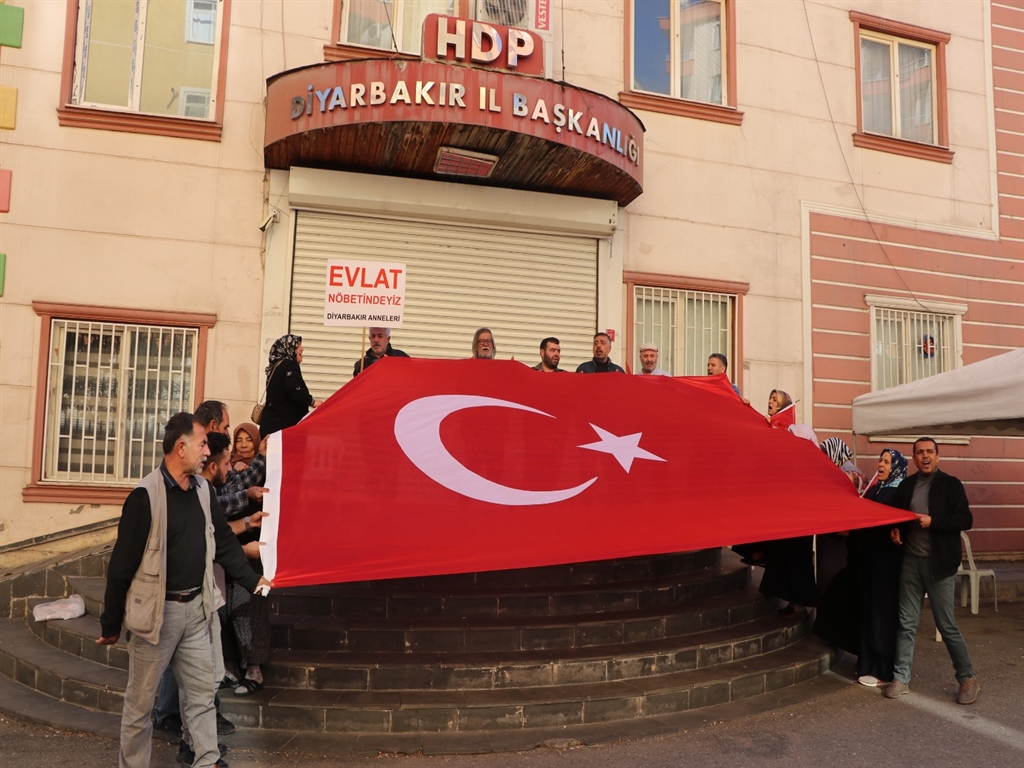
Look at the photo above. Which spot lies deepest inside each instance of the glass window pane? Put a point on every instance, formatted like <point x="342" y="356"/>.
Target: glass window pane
<point x="707" y="331"/>
<point x="107" y="52"/>
<point x="370" y="23"/>
<point x="655" y="323"/>
<point x="652" y="46"/>
<point x="413" y="14"/>
<point x="700" y="50"/>
<point x="202" y="21"/>
<point x="876" y="86"/>
<point x="172" y="64"/>
<point x="916" y="93"/>
<point x="889" y="352"/>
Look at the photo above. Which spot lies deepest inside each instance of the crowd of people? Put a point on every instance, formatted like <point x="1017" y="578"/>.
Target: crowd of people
<point x="186" y="580"/>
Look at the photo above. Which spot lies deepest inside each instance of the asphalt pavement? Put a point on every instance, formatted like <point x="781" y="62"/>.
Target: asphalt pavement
<point x="850" y="725"/>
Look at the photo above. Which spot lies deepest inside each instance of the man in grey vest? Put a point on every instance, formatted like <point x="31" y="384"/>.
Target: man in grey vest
<point x="160" y="588"/>
<point x="931" y="556"/>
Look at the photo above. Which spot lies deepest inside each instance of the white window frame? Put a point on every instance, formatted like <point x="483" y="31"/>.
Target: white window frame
<point x="138" y="51"/>
<point x="108" y="409"/>
<point x="675" y="359"/>
<point x="182" y="101"/>
<point x="675" y="59"/>
<point x="894" y="83"/>
<point x="954" y="312"/>
<point x="190" y="11"/>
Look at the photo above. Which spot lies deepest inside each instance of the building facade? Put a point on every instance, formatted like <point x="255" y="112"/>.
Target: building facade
<point x="829" y="192"/>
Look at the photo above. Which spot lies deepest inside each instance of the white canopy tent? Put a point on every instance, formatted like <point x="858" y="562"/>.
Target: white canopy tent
<point x="984" y="398"/>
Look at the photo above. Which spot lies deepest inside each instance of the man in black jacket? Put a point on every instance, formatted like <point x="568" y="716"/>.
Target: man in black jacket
<point x="931" y="557"/>
<point x="380" y="346"/>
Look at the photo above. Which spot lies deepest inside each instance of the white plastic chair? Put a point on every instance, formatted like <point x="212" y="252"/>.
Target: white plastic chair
<point x="974" y="575"/>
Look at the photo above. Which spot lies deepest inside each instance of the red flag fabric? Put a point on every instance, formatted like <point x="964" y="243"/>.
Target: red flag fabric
<point x="422" y="467"/>
<point x="785" y="418"/>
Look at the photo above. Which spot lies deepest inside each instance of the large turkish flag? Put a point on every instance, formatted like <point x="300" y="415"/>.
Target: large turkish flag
<point x="424" y="467"/>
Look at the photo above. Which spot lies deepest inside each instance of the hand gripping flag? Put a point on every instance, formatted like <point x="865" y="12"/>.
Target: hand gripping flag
<point x="422" y="467"/>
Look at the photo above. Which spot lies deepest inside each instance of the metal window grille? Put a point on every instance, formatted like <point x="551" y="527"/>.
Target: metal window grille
<point x="111" y="388"/>
<point x="687" y="326"/>
<point x="911" y="345"/>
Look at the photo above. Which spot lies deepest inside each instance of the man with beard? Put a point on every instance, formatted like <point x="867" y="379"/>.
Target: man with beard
<point x="171" y="532"/>
<point x="601" y="363"/>
<point x="649" y="361"/>
<point x="484" y="347"/>
<point x="550" y="355"/>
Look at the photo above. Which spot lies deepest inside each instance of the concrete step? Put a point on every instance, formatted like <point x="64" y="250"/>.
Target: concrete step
<point x="391" y="601"/>
<point x="423" y="711"/>
<point x="478" y="670"/>
<point x="360" y="600"/>
<point x="26" y="705"/>
<point x="27" y="659"/>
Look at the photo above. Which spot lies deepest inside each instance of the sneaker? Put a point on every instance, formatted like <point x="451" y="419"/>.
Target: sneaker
<point x="895" y="689"/>
<point x="224" y="726"/>
<point x="969" y="690"/>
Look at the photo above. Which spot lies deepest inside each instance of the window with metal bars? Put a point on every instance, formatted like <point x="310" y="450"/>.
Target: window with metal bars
<point x="110" y="389"/>
<point x="687" y="326"/>
<point x="911" y="345"/>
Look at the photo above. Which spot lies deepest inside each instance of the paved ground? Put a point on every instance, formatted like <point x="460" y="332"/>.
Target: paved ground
<point x="851" y="726"/>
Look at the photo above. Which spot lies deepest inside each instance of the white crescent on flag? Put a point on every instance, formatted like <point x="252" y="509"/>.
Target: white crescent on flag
<point x="418" y="431"/>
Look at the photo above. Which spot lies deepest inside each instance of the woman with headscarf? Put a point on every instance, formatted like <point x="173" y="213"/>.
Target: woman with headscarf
<point x="789" y="563"/>
<point x="876" y="562"/>
<point x="841" y="455"/>
<point x="288" y="398"/>
<point x="245" y="443"/>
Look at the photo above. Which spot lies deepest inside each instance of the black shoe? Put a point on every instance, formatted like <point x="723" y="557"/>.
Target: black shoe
<point x="186" y="756"/>
<point x="224" y="726"/>
<point x="170" y="725"/>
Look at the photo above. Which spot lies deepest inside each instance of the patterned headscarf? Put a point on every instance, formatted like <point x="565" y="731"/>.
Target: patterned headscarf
<point x="898" y="473"/>
<point x="284" y="348"/>
<point x="838" y="451"/>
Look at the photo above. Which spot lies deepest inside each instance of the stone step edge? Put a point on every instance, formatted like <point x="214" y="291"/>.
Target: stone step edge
<point x="30" y="661"/>
<point x="92" y="591"/>
<point x="739" y="595"/>
<point x="106" y="695"/>
<point x="387" y="588"/>
<point x="28" y="706"/>
<point x="662" y="657"/>
<point x="702" y="560"/>
<point x="599" y="703"/>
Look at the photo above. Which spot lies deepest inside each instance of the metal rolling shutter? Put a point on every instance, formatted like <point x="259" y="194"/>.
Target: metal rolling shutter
<point x="523" y="286"/>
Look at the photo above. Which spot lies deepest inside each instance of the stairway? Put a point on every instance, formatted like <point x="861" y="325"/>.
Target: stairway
<point x="498" y="660"/>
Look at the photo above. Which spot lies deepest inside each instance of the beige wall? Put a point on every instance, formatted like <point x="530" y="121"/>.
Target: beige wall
<point x="148" y="222"/>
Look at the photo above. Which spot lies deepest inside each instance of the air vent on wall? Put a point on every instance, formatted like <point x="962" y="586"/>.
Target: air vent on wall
<point x="461" y="162"/>
<point x="509" y="13"/>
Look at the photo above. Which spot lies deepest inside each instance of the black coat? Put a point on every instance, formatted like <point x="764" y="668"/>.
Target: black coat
<point x="288" y="399"/>
<point x="370" y="358"/>
<point x="950" y="513"/>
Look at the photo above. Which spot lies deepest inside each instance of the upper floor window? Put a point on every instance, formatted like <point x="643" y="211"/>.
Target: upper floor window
<point x="677" y="48"/>
<point x="140" y="56"/>
<point x="391" y="25"/>
<point x="901" y="88"/>
<point x="912" y="340"/>
<point x="682" y="56"/>
<point x="897" y="85"/>
<point x="145" y="66"/>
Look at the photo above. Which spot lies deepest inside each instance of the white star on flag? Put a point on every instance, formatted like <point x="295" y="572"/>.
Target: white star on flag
<point x="624" y="449"/>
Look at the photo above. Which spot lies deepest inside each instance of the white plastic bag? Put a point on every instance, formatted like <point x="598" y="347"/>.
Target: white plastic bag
<point x="65" y="608"/>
